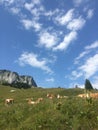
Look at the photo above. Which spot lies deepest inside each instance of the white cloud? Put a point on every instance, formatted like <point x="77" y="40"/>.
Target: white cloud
<point x="35" y="8"/>
<point x="64" y="19"/>
<point x="29" y="6"/>
<point x="15" y="10"/>
<point x="90" y="67"/>
<point x="28" y="24"/>
<point x="81" y="56"/>
<point x="50" y="80"/>
<point x="36" y="2"/>
<point x="47" y="39"/>
<point x="34" y="61"/>
<point x="76" y="74"/>
<point x="33" y="17"/>
<point x="7" y="2"/>
<point x="77" y="2"/>
<point x="76" y="24"/>
<point x="95" y="82"/>
<point x="67" y="40"/>
<point x="90" y="13"/>
<point x="51" y="12"/>
<point x="92" y="46"/>
<point x="86" y="51"/>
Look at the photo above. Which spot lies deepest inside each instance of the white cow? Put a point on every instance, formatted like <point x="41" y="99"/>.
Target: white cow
<point x="9" y="101"/>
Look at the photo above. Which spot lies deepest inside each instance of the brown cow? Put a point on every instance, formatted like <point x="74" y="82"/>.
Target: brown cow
<point x="51" y="96"/>
<point x="9" y="101"/>
<point x="34" y="102"/>
<point x="94" y="95"/>
<point x="40" y="99"/>
<point x="30" y="101"/>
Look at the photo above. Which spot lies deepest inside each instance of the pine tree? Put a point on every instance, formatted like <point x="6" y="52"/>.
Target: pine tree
<point x="88" y="85"/>
<point x="88" y="88"/>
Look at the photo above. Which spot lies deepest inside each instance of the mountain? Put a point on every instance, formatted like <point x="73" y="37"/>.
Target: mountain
<point x="15" y="80"/>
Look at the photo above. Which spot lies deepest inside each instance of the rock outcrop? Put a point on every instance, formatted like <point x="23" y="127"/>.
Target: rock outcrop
<point x="15" y="80"/>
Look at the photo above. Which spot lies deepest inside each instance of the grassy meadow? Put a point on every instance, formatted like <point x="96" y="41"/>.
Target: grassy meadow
<point x="71" y="113"/>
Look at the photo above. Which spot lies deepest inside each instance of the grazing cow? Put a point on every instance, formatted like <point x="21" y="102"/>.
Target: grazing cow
<point x="51" y="96"/>
<point x="31" y="102"/>
<point x="35" y="102"/>
<point x="40" y="99"/>
<point x="94" y="95"/>
<point x="82" y="95"/>
<point x="59" y="97"/>
<point x="9" y="101"/>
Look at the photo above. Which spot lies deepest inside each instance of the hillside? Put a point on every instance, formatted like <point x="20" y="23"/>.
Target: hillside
<point x="69" y="113"/>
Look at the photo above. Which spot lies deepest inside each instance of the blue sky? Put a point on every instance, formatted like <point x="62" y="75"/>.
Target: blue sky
<point x="55" y="41"/>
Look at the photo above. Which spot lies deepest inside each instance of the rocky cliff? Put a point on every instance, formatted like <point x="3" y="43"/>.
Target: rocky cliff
<point x="15" y="80"/>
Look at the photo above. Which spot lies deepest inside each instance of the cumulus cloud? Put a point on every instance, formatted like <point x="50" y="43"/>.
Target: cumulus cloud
<point x="90" y="13"/>
<point x="76" y="24"/>
<point x="35" y="8"/>
<point x="15" y="10"/>
<point x="7" y="2"/>
<point x="34" y="61"/>
<point x="48" y="39"/>
<point x="51" y="13"/>
<point x="29" y="6"/>
<point x="32" y="13"/>
<point x="64" y="19"/>
<point x="90" y="67"/>
<point x="28" y="24"/>
<point x="87" y="69"/>
<point x="73" y="23"/>
<point x="67" y="40"/>
<point x="76" y="74"/>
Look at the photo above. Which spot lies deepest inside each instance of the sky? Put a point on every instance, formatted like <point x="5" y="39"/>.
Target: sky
<point x="54" y="41"/>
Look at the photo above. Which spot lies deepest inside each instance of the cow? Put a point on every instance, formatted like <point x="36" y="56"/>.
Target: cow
<point x="34" y="102"/>
<point x="82" y="95"/>
<point x="40" y="99"/>
<point x="94" y="95"/>
<point x="59" y="97"/>
<point x="30" y="101"/>
<point x="51" y="96"/>
<point x="9" y="101"/>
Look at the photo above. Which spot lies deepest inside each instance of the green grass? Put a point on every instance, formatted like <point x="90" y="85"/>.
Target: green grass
<point x="70" y="113"/>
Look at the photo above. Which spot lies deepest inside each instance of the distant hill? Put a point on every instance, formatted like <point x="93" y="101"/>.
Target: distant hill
<point x="13" y="79"/>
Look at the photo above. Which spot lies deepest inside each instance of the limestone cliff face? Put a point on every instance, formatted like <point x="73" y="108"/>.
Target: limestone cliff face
<point x="15" y="79"/>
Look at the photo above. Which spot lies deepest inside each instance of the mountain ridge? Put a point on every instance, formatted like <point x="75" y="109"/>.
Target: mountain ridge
<point x="15" y="80"/>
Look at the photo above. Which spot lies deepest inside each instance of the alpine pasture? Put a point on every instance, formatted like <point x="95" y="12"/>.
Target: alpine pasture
<point x="64" y="111"/>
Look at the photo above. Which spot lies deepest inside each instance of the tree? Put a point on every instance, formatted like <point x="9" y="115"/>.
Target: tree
<point x="88" y="85"/>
